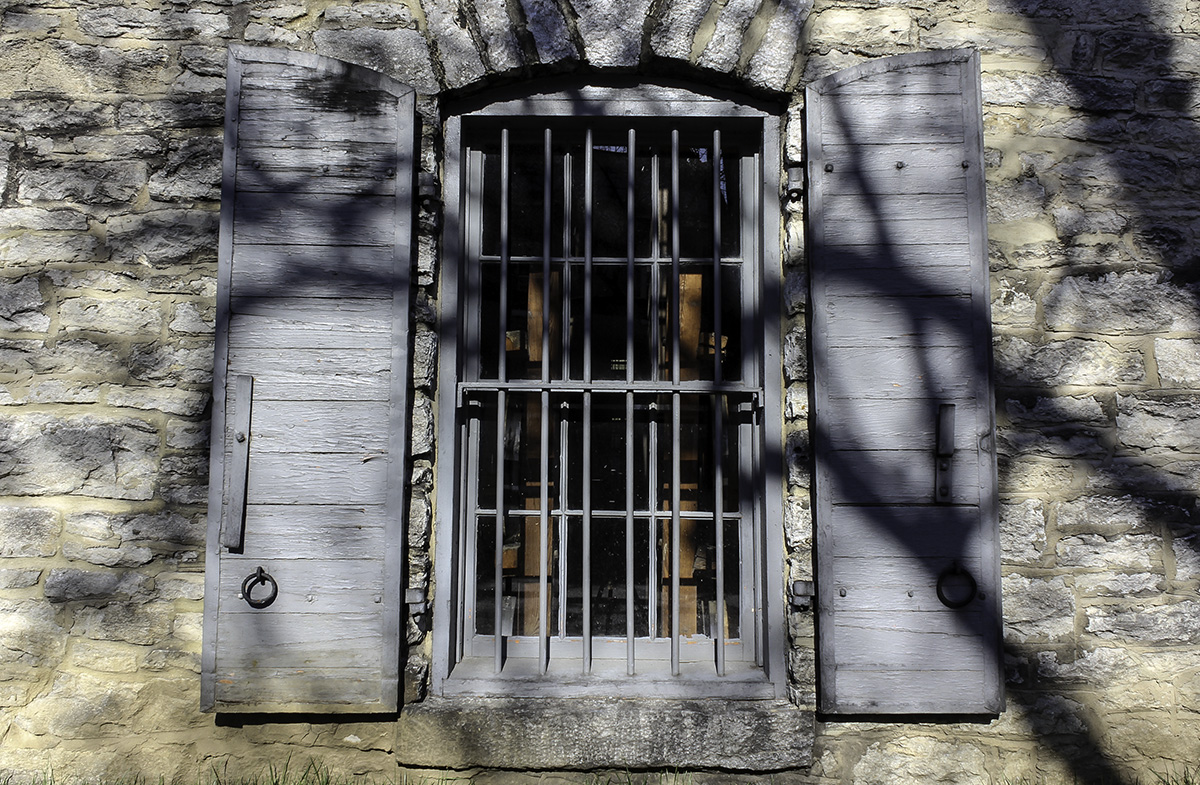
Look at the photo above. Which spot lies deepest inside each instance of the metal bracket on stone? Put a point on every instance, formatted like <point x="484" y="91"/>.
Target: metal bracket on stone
<point x="795" y="182"/>
<point x="802" y="595"/>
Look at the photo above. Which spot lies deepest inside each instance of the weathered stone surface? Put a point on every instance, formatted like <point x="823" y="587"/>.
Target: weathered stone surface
<point x="124" y="555"/>
<point x="375" y="15"/>
<point x="1108" y="515"/>
<point x="91" y="182"/>
<point x="1073" y="361"/>
<point x="272" y="35"/>
<point x="1037" y="609"/>
<point x="19" y="579"/>
<point x="795" y="404"/>
<point x="501" y="47"/>
<point x="124" y="316"/>
<point x="192" y="171"/>
<point x="104" y="656"/>
<point x="1023" y="532"/>
<point x="81" y="707"/>
<point x="30" y="634"/>
<point x="181" y="586"/>
<point x="795" y="356"/>
<point x="457" y="54"/>
<point x="163" y="237"/>
<point x="580" y="734"/>
<point x="611" y="31"/>
<point x="544" y="21"/>
<point x="182" y="113"/>
<point x="1129" y="303"/>
<point x="1057" y="410"/>
<point x="422" y="426"/>
<point x="870" y="32"/>
<point x="133" y="622"/>
<point x="39" y="249"/>
<point x="1067" y="442"/>
<point x="1119" y="584"/>
<point x="1159" y="422"/>
<point x="172" y="363"/>
<point x="168" y="527"/>
<point x="675" y="30"/>
<point x="78" y="454"/>
<point x="401" y="53"/>
<point x="1178" y="361"/>
<point x="28" y="531"/>
<point x="37" y="218"/>
<point x="921" y="759"/>
<point x="797" y="522"/>
<point x="72" y="585"/>
<point x="725" y="47"/>
<point x="1175" y="625"/>
<point x="772" y="66"/>
<point x="425" y="358"/>
<point x="158" y="399"/>
<point x="1127" y="553"/>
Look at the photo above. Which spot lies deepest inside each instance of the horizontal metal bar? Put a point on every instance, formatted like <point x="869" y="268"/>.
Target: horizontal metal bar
<point x="618" y="261"/>
<point x="731" y="389"/>
<point x="616" y="515"/>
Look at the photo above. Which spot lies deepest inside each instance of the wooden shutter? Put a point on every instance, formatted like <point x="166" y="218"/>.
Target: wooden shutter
<point x="901" y="347"/>
<point x="310" y="391"/>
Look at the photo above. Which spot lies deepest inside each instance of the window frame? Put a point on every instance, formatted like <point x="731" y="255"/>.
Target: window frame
<point x="638" y="102"/>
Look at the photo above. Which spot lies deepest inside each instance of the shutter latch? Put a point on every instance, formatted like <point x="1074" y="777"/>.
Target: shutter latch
<point x="945" y="451"/>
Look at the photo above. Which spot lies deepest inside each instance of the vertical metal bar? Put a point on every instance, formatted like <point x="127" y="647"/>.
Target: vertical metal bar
<point x="501" y="405"/>
<point x="564" y="475"/>
<point x="546" y="227"/>
<point x="544" y="540"/>
<point x="718" y="411"/>
<point x="675" y="479"/>
<point x="498" y="555"/>
<point x="566" y="271"/>
<point x="630" y="628"/>
<point x="654" y="560"/>
<point x="467" y="516"/>
<point x="675" y="280"/>
<point x="675" y="403"/>
<point x="589" y="217"/>
<point x="655" y="284"/>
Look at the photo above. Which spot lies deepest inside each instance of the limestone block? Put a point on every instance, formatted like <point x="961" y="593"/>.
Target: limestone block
<point x="93" y="182"/>
<point x="1065" y="442"/>
<point x="874" y="31"/>
<point x="118" y="20"/>
<point x="795" y="405"/>
<point x="456" y="51"/>
<point x="158" y="399"/>
<point x="675" y="29"/>
<point x="35" y="250"/>
<point x="186" y="434"/>
<point x="36" y="218"/>
<point x="1060" y="409"/>
<point x="124" y="555"/>
<point x="1126" y="303"/>
<point x="104" y="656"/>
<point x="99" y="69"/>
<point x="30" y="634"/>
<point x="544" y="21"/>
<point x="725" y="47"/>
<point x="1103" y="666"/>
<point x="1109" y="515"/>
<point x="771" y="67"/>
<point x="21" y="306"/>
<point x="167" y="527"/>
<point x="109" y="457"/>
<point x="611" y="31"/>
<point x="81" y="706"/>
<point x="1012" y="305"/>
<point x="1177" y="624"/>
<point x="203" y="60"/>
<point x="1159" y="422"/>
<point x="1119" y="584"/>
<point x="32" y="24"/>
<point x="798" y="454"/>
<point x="74" y="585"/>
<point x="163" y="237"/>
<point x="192" y="171"/>
<point x="501" y="47"/>
<point x="1161" y="474"/>
<point x="161" y="659"/>
<point x="19" y="579"/>
<point x="401" y="53"/>
<point x="272" y="35"/>
<point x="28" y="531"/>
<point x="795" y="356"/>
<point x="91" y="524"/>
<point x="1023" y="532"/>
<point x="61" y="391"/>
<point x="921" y="760"/>
<point x="180" y="586"/>
<point x="1037" y="609"/>
<point x="1125" y="553"/>
<point x="420" y="518"/>
<point x="159" y="114"/>
<point x="187" y="627"/>
<point x="1022" y="88"/>
<point x="1178" y="361"/>
<point x="422" y="434"/>
<point x="77" y="357"/>
<point x="184" y="478"/>
<point x="375" y="15"/>
<point x="1073" y="361"/>
<point x="59" y="116"/>
<point x="425" y="349"/>
<point x="172" y="363"/>
<point x="193" y="319"/>
<point x="797" y="521"/>
<point x="133" y="622"/>
<point x="1016" y="200"/>
<point x="126" y="316"/>
<point x="1186" y="549"/>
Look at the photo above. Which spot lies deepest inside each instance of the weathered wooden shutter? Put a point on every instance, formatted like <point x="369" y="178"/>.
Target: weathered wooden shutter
<point x="906" y="470"/>
<point x="310" y="392"/>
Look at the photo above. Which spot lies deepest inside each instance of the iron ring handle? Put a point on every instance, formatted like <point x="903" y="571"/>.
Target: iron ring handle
<point x="955" y="571"/>
<point x="259" y="576"/>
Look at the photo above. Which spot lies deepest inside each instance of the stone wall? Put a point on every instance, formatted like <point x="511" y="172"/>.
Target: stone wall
<point x="110" y="146"/>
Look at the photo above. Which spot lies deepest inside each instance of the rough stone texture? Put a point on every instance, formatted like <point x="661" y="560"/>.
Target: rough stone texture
<point x="724" y="48"/>
<point x="775" y="61"/>
<point x="675" y="31"/>
<point x="457" y="55"/>
<point x="921" y="759"/>
<point x="611" y="31"/>
<point x="401" y="53"/>
<point x="545" y="22"/>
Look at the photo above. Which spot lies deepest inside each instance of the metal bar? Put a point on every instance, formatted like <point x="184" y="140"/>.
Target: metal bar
<point x="675" y="256"/>
<point x="546" y="227"/>
<point x="675" y="480"/>
<point x="588" y="218"/>
<point x="565" y="332"/>
<point x="468" y="445"/>
<point x="718" y="411"/>
<point x="544" y="540"/>
<point x="654" y="562"/>
<point x="655" y="252"/>
<point x="498" y="556"/>
<point x="502" y="360"/>
<point x="586" y="534"/>
<point x="630" y="627"/>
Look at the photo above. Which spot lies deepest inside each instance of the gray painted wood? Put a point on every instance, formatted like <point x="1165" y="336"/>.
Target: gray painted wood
<point x="316" y="243"/>
<point x="900" y="326"/>
<point x="233" y="526"/>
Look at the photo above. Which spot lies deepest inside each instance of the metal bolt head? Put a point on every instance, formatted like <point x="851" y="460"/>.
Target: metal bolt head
<point x="240" y="436"/>
<point x="899" y="164"/>
<point x="829" y="167"/>
<point x="841" y="592"/>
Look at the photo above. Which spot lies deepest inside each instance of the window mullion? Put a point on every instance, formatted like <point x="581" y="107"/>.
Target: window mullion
<point x="501" y="408"/>
<point x="630" y="629"/>
<point x="586" y="534"/>
<point x="718" y="472"/>
<point x="544" y="464"/>
<point x="675" y="404"/>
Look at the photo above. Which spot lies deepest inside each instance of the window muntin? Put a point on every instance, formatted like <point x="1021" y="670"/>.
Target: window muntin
<point x="587" y="391"/>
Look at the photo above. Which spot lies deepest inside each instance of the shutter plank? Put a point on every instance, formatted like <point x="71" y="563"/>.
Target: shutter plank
<point x="900" y="327"/>
<point x="312" y="302"/>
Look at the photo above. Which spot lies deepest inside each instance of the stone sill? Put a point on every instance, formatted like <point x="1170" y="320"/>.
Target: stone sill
<point x="604" y="733"/>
